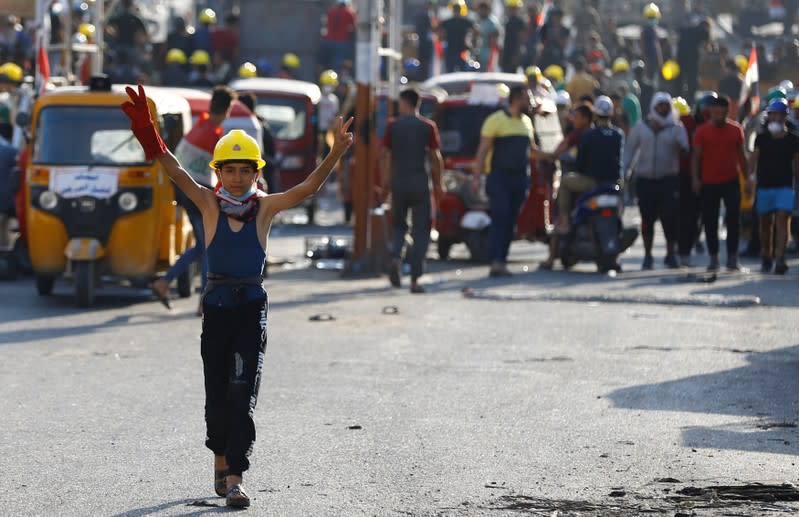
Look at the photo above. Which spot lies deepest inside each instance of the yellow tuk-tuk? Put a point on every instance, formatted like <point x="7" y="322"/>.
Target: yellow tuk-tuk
<point x="96" y="208"/>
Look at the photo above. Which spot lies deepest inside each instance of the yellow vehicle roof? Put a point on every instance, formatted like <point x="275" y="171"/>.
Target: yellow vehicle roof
<point x="166" y="102"/>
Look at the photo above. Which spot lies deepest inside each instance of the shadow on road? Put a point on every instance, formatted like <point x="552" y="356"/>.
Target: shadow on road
<point x="765" y="389"/>
<point x="195" y="507"/>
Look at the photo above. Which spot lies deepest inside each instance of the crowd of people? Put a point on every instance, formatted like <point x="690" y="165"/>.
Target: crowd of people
<point x="657" y="90"/>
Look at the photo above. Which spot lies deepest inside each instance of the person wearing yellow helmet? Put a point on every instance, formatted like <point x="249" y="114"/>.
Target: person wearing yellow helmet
<point x="513" y="44"/>
<point x="202" y="34"/>
<point x="328" y="108"/>
<point x="200" y="76"/>
<point x="459" y="32"/>
<point x="650" y="41"/>
<point x="289" y="66"/>
<point x="88" y="30"/>
<point x="11" y="73"/>
<point x="742" y="62"/>
<point x="238" y="218"/>
<point x="554" y="73"/>
<point x="248" y="70"/>
<point x="175" y="72"/>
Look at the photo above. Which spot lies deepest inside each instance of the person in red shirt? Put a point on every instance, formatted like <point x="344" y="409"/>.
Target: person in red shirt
<point x="340" y="33"/>
<point x="716" y="164"/>
<point x="225" y="40"/>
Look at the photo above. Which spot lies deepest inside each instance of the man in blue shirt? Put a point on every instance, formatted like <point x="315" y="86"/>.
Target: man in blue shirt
<point x="598" y="161"/>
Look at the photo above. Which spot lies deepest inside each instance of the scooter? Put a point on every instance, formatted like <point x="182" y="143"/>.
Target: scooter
<point x="597" y="234"/>
<point x="462" y="216"/>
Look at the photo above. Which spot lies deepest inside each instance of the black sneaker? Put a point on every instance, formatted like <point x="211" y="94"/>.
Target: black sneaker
<point x="714" y="263"/>
<point x="732" y="263"/>
<point x="394" y="273"/>
<point x="649" y="263"/>
<point x="671" y="262"/>
<point x="781" y="268"/>
<point x="766" y="265"/>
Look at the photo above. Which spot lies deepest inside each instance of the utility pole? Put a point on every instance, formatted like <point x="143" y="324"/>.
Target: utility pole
<point x="366" y="76"/>
<point x="99" y="25"/>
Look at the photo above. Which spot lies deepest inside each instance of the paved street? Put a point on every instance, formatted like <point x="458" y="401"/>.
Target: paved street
<point x="547" y="393"/>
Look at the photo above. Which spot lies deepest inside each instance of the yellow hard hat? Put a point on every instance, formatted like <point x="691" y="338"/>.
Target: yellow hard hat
<point x="87" y="29"/>
<point x="795" y="103"/>
<point x="681" y="105"/>
<point x="533" y="70"/>
<point x="460" y="5"/>
<point x="620" y="65"/>
<point x="248" y="70"/>
<point x="514" y="3"/>
<point x="237" y="146"/>
<point x="670" y="70"/>
<point x="175" y="55"/>
<point x="208" y="17"/>
<point x="291" y="60"/>
<point x="200" y="57"/>
<point x="12" y="71"/>
<point x="651" y="10"/>
<point x="742" y="62"/>
<point x="554" y="73"/>
<point x="328" y="78"/>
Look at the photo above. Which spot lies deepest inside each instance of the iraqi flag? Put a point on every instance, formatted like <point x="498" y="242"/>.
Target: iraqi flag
<point x="750" y="89"/>
<point x="42" y="67"/>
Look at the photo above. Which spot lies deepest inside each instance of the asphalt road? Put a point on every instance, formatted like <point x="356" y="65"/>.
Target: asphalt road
<point x="547" y="394"/>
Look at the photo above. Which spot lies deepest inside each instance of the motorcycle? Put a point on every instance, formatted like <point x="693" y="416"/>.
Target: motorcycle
<point x="597" y="233"/>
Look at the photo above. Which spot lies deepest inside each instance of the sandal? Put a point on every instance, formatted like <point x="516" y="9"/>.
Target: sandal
<point x="237" y="497"/>
<point x="220" y="483"/>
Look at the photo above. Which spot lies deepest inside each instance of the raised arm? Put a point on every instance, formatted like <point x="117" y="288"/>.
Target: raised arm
<point x="154" y="148"/>
<point x="342" y="140"/>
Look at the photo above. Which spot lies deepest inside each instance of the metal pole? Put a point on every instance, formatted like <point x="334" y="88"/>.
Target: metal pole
<point x="394" y="39"/>
<point x="66" y="52"/>
<point x="99" y="26"/>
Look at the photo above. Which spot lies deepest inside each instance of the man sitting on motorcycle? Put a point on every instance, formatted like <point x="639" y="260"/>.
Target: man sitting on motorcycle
<point x="598" y="161"/>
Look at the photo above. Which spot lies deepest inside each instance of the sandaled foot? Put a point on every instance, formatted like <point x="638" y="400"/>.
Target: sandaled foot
<point x="220" y="485"/>
<point x="237" y="497"/>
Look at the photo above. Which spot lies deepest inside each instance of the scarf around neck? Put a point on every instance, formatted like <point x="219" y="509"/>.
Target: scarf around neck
<point x="242" y="208"/>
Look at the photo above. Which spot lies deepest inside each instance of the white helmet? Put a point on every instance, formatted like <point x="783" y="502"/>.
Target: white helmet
<point x="787" y="85"/>
<point x="562" y="98"/>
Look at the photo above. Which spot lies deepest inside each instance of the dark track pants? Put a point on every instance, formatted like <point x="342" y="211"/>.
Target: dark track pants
<point x="412" y="194"/>
<point x="712" y="196"/>
<point x="690" y="208"/>
<point x="233" y="344"/>
<point x="659" y="199"/>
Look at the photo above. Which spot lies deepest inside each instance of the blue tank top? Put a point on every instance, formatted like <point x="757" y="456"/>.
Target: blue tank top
<point x="236" y="255"/>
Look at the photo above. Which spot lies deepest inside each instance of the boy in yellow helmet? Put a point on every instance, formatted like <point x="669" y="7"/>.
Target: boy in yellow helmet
<point x="236" y="217"/>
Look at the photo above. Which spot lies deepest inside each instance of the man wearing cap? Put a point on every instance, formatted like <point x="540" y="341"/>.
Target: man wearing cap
<point x="718" y="158"/>
<point x="774" y="163"/>
<point x="652" y="154"/>
<point x="598" y="162"/>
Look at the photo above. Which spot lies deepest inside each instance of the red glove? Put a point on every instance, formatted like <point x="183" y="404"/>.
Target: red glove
<point x="141" y="123"/>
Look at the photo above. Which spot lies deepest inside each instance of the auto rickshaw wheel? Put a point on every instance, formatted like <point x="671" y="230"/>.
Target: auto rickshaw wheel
<point x="310" y="211"/>
<point x="84" y="283"/>
<point x="184" y="282"/>
<point x="443" y="248"/>
<point x="44" y="284"/>
<point x="477" y="242"/>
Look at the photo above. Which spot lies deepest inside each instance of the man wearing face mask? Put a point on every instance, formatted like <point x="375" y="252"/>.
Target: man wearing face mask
<point x="774" y="164"/>
<point x="718" y="158"/>
<point x="653" y="151"/>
